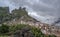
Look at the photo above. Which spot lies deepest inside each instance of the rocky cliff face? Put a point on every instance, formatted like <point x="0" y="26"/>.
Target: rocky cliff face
<point x="4" y="14"/>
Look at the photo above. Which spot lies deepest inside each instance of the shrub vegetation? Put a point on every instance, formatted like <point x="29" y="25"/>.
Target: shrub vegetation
<point x="36" y="31"/>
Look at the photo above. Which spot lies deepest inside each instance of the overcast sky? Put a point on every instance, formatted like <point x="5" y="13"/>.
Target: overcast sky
<point x="46" y="11"/>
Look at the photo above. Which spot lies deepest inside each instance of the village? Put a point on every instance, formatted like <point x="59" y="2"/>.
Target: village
<point x="45" y="28"/>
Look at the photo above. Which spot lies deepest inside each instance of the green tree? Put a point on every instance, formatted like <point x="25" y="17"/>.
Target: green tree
<point x="4" y="28"/>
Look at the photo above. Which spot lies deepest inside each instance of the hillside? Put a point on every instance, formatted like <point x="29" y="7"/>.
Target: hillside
<point x="20" y="16"/>
<point x="16" y="14"/>
<point x="4" y="14"/>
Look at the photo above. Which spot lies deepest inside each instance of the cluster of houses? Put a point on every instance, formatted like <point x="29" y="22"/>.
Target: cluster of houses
<point x="45" y="28"/>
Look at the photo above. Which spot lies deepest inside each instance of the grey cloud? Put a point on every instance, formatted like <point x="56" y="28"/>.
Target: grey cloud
<point x="44" y="7"/>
